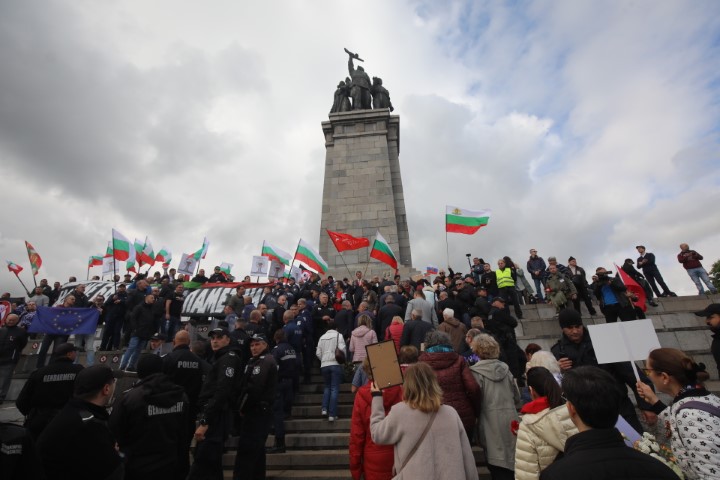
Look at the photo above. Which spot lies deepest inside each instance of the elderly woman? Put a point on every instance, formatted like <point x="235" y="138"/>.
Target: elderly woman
<point x="394" y="331"/>
<point x="500" y="401"/>
<point x="460" y="390"/>
<point x="367" y="459"/>
<point x="545" y="425"/>
<point x="692" y="421"/>
<point x="428" y="437"/>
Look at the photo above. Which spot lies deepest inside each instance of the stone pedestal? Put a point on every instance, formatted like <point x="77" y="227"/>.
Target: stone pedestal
<point x="363" y="189"/>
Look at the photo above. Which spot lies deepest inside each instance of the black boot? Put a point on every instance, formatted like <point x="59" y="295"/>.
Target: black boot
<point x="279" y="446"/>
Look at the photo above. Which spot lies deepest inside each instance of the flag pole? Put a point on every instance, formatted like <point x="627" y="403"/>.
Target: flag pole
<point x="292" y="262"/>
<point x="346" y="265"/>
<point x="367" y="264"/>
<point x="23" y="284"/>
<point x="447" y="248"/>
<point x="87" y="275"/>
<point x="113" y="262"/>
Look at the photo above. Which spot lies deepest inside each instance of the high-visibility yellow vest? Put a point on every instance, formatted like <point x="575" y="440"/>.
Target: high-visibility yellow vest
<point x="504" y="278"/>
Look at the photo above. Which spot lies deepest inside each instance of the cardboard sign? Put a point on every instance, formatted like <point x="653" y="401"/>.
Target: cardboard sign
<point x="187" y="264"/>
<point x="623" y="341"/>
<point x="384" y="364"/>
<point x="276" y="270"/>
<point x="259" y="267"/>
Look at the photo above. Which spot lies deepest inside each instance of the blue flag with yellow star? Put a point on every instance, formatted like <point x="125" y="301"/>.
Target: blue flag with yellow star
<point x="65" y="321"/>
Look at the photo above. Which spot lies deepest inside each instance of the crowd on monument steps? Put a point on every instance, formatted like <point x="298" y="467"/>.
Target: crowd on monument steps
<point x="536" y="413"/>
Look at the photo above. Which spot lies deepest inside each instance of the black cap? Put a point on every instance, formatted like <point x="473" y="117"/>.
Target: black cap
<point x="149" y="364"/>
<point x="569" y="318"/>
<point x="630" y="261"/>
<point x="158" y="336"/>
<point x="640" y="246"/>
<point x="64" y="349"/>
<point x="93" y="379"/>
<point x="258" y="337"/>
<point x="219" y="332"/>
<point x="482" y="288"/>
<point x="571" y="259"/>
<point x="499" y="299"/>
<point x="711" y="309"/>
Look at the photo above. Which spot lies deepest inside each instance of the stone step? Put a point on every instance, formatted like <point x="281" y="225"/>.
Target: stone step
<point x="313" y="411"/>
<point x="316" y="398"/>
<point x="319" y="386"/>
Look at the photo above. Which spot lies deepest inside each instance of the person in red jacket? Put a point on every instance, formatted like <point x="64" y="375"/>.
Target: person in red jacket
<point x="394" y="332"/>
<point x="367" y="459"/>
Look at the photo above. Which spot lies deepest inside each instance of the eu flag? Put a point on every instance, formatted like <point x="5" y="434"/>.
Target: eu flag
<point x="65" y="321"/>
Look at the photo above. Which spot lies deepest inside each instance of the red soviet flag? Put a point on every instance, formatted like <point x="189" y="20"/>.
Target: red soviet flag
<point x="633" y="287"/>
<point x="343" y="241"/>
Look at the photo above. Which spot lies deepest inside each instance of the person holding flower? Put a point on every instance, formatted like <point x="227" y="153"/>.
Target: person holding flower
<point x="692" y="420"/>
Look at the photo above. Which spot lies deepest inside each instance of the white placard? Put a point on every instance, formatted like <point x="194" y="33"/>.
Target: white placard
<point x="187" y="264"/>
<point x="276" y="270"/>
<point x="259" y="266"/>
<point x="623" y="341"/>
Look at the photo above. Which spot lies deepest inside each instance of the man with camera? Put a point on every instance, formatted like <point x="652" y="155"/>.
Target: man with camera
<point x="612" y="297"/>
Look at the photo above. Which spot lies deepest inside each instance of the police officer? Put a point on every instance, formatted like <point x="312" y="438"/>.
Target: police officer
<point x="257" y="395"/>
<point x="149" y="422"/>
<point x="216" y="398"/>
<point x="187" y="370"/>
<point x="287" y="383"/>
<point x="48" y="389"/>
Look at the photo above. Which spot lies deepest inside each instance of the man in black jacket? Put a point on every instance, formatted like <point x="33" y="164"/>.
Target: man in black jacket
<point x="415" y="330"/>
<point x="48" y="389"/>
<point x="612" y="297"/>
<point x="386" y="313"/>
<point x="598" y="451"/>
<point x="12" y="340"/>
<point x="288" y="380"/>
<point x="216" y="400"/>
<point x="115" y="306"/>
<point x="144" y="324"/>
<point x="646" y="262"/>
<point x="579" y="279"/>
<point x="575" y="349"/>
<point x="78" y="444"/>
<point x="187" y="370"/>
<point x="149" y="422"/>
<point x="257" y="395"/>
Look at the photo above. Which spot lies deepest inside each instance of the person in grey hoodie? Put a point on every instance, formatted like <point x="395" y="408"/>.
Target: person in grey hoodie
<point x="500" y="401"/>
<point x="419" y="303"/>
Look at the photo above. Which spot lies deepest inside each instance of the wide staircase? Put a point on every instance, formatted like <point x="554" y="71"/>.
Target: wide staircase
<point x="318" y="449"/>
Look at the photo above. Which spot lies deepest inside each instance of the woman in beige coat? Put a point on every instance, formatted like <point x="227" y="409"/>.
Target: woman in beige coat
<point x="545" y="426"/>
<point x="444" y="453"/>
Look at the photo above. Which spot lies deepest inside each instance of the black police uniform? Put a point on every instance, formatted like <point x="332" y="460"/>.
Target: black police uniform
<point x="216" y="400"/>
<point x="187" y="370"/>
<point x="288" y="379"/>
<point x="46" y="392"/>
<point x="256" y="399"/>
<point x="149" y="422"/>
<point x="17" y="454"/>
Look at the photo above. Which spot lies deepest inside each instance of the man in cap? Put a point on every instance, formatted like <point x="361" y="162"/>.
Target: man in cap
<point x="78" y="444"/>
<point x="150" y="423"/>
<point x="155" y="344"/>
<point x="48" y="389"/>
<point x="257" y="394"/>
<point x="612" y="297"/>
<point x="215" y="402"/>
<point x="712" y="318"/>
<point x="218" y="276"/>
<point x="575" y="349"/>
<point x="646" y="261"/>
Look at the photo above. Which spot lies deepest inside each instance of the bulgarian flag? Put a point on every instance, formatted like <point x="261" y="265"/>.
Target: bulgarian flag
<point x="633" y="287"/>
<point x="305" y="253"/>
<point x="459" y="220"/>
<point x="130" y="263"/>
<point x="226" y="267"/>
<point x="121" y="247"/>
<point x="164" y="256"/>
<point x="109" y="251"/>
<point x="200" y="254"/>
<point x="274" y="253"/>
<point x="35" y="260"/>
<point x="147" y="256"/>
<point x="139" y="245"/>
<point x="95" y="260"/>
<point x="14" y="267"/>
<point x="381" y="251"/>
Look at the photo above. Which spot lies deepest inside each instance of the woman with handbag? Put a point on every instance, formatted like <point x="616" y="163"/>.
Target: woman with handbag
<point x="692" y="420"/>
<point x="331" y="353"/>
<point x="429" y="438"/>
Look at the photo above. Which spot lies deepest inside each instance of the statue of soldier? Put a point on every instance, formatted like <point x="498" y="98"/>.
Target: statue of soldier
<point x="380" y="95"/>
<point x="360" y="89"/>
<point x="341" y="101"/>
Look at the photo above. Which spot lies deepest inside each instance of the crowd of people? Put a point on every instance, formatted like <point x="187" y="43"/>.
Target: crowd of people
<point x="455" y="338"/>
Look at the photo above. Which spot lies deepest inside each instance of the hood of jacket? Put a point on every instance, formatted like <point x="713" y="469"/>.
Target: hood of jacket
<point x="492" y="369"/>
<point x="360" y="331"/>
<point x="553" y="426"/>
<point x="440" y="360"/>
<point x="453" y="322"/>
<point x="159" y="390"/>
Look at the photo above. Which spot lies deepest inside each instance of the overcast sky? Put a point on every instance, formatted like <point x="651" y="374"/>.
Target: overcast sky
<point x="587" y="127"/>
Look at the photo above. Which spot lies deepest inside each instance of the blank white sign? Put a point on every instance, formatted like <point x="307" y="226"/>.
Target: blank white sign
<point x="623" y="341"/>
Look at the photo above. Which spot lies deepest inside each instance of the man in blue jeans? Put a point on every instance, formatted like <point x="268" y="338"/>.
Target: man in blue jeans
<point x="143" y="325"/>
<point x="536" y="266"/>
<point x="331" y="370"/>
<point x="690" y="260"/>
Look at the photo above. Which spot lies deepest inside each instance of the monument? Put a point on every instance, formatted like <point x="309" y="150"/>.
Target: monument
<point x="363" y="191"/>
